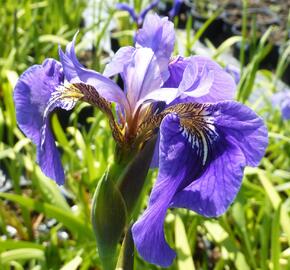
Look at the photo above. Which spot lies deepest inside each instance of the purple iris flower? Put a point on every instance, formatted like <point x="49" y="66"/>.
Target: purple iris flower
<point x="41" y="89"/>
<point x="205" y="138"/>
<point x="137" y="18"/>
<point x="282" y="100"/>
<point x="175" y="8"/>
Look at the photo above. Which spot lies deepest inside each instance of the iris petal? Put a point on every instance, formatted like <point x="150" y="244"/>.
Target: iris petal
<point x="120" y="59"/>
<point x="31" y="95"/>
<point x="244" y="128"/>
<point x="180" y="159"/>
<point x="141" y="75"/>
<point x="201" y="79"/>
<point x="129" y="9"/>
<point x="157" y="34"/>
<point x="148" y="233"/>
<point x="202" y="153"/>
<point x="176" y="8"/>
<point x="243" y="142"/>
<point x="211" y="194"/>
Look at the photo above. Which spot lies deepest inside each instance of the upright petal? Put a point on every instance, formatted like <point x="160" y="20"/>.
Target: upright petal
<point x="200" y="79"/>
<point x="141" y="75"/>
<point x="176" y="8"/>
<point x="120" y="59"/>
<point x="176" y="69"/>
<point x="223" y="86"/>
<point x="31" y="95"/>
<point x="76" y="73"/>
<point x="144" y="12"/>
<point x="243" y="140"/>
<point x="157" y="34"/>
<point x="129" y="9"/>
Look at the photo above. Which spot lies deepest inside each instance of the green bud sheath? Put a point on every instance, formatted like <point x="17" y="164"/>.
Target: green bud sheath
<point x="132" y="179"/>
<point x="109" y="216"/>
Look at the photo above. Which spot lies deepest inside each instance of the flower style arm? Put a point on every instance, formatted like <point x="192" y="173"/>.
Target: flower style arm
<point x="77" y="73"/>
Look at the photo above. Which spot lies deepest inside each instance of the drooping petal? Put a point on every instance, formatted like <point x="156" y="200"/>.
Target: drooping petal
<point x="76" y="73"/>
<point x="212" y="193"/>
<point x="243" y="140"/>
<point x="244" y="128"/>
<point x="148" y="232"/>
<point x="157" y="34"/>
<point x="120" y="59"/>
<point x="144" y="12"/>
<point x="129" y="9"/>
<point x="31" y="95"/>
<point x="48" y="157"/>
<point x="203" y="151"/>
<point x="182" y="156"/>
<point x="141" y="75"/>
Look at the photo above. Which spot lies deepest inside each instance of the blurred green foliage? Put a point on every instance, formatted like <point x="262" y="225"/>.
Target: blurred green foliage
<point x="40" y="229"/>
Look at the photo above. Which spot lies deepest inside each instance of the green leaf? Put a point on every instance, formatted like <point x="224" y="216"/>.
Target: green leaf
<point x="70" y="221"/>
<point x="21" y="254"/>
<point x="184" y="257"/>
<point x="275" y="242"/>
<point x="50" y="190"/>
<point x="53" y="39"/>
<point x="12" y="244"/>
<point x="229" y="248"/>
<point x="276" y="201"/>
<point x="73" y="264"/>
<point x="226" y="45"/>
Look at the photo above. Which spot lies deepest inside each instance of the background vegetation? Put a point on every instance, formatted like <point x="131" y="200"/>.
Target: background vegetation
<point x="43" y="226"/>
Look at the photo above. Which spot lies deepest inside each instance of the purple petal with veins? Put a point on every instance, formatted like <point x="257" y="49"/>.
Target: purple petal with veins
<point x="31" y="96"/>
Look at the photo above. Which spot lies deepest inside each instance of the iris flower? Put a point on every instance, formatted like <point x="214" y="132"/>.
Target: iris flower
<point x="175" y="8"/>
<point x="137" y="18"/>
<point x="205" y="138"/>
<point x="282" y="100"/>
